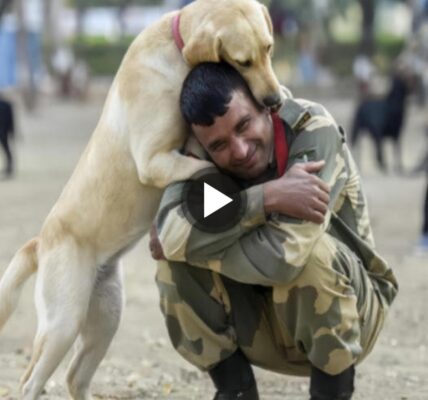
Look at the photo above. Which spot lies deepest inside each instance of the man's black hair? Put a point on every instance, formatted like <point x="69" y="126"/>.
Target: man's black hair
<point x="207" y="92"/>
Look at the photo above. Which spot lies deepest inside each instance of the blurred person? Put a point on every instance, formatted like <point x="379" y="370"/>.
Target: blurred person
<point x="420" y="13"/>
<point x="423" y="167"/>
<point x="7" y="131"/>
<point x="287" y="294"/>
<point x="79" y="79"/>
<point x="424" y="238"/>
<point x="363" y="70"/>
<point x="62" y="64"/>
<point x="416" y="54"/>
<point x="306" y="61"/>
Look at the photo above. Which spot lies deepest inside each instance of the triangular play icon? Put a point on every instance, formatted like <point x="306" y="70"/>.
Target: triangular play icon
<point x="214" y="200"/>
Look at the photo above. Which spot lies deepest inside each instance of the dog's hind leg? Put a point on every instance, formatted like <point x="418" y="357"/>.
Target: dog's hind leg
<point x="355" y="133"/>
<point x="64" y="284"/>
<point x="379" y="151"/>
<point x="398" y="161"/>
<point x="96" y="334"/>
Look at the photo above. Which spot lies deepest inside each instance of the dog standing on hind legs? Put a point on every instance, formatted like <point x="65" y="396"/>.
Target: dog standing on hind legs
<point x="112" y="196"/>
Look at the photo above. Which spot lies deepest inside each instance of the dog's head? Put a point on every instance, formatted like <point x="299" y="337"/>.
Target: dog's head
<point x="240" y="33"/>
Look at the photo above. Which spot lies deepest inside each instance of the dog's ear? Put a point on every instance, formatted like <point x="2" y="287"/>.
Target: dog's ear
<point x="267" y="18"/>
<point x="203" y="46"/>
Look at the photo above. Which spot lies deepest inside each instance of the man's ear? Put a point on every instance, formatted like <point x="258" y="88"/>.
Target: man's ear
<point x="267" y="18"/>
<point x="203" y="46"/>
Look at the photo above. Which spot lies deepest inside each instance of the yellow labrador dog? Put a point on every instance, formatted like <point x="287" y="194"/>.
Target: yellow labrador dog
<point x="112" y="196"/>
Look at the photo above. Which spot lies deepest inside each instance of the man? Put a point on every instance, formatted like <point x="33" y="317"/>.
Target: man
<point x="282" y="293"/>
<point x="6" y="130"/>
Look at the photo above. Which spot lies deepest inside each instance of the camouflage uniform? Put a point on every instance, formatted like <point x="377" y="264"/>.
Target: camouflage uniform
<point x="289" y="293"/>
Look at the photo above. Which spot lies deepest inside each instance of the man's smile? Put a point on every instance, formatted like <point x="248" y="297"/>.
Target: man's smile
<point x="249" y="161"/>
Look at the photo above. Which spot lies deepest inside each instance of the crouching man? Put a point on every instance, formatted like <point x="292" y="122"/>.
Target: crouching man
<point x="296" y="285"/>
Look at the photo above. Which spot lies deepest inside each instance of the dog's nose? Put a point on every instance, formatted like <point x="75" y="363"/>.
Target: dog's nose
<point x="272" y="101"/>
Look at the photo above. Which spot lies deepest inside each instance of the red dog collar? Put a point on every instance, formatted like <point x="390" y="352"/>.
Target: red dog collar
<point x="176" y="32"/>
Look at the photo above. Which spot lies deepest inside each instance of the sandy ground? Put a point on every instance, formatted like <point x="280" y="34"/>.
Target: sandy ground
<point x="141" y="363"/>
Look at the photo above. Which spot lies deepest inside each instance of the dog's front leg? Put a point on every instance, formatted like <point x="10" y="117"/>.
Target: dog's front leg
<point x="156" y="154"/>
<point x="165" y="168"/>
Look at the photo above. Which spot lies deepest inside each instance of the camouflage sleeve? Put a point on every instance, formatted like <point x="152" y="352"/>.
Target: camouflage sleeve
<point x="275" y="251"/>
<point x="175" y="231"/>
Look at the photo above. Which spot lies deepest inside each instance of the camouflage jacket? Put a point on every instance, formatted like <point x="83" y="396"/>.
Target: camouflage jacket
<point x="273" y="250"/>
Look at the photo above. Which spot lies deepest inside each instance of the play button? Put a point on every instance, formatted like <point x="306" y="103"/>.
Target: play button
<point x="213" y="201"/>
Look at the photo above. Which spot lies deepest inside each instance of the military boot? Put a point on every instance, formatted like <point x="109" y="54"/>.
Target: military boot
<point x="234" y="379"/>
<point x="332" y="387"/>
<point x="249" y="394"/>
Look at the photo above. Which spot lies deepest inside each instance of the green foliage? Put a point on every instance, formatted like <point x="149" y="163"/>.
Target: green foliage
<point x="307" y="10"/>
<point x="339" y="56"/>
<point x="102" y="56"/>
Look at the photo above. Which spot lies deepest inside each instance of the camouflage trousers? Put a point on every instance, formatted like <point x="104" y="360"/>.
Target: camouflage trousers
<point x="329" y="316"/>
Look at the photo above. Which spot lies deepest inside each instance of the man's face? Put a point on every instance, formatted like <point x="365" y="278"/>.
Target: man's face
<point x="240" y="141"/>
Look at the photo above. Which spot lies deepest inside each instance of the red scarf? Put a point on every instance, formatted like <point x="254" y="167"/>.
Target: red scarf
<point x="281" y="146"/>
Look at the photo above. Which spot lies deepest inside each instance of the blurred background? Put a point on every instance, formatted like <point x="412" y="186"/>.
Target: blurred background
<point x="365" y="60"/>
<point x="323" y="43"/>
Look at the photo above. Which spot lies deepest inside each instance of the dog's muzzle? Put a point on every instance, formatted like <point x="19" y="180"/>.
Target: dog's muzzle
<point x="272" y="102"/>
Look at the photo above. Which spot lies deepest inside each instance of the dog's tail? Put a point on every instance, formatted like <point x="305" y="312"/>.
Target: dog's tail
<point x="22" y="266"/>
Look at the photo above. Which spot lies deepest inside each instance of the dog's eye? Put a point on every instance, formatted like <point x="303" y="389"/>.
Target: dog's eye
<point x="245" y="64"/>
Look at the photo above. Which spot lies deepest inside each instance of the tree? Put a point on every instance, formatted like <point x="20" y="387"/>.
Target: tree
<point x="314" y="17"/>
<point x="121" y="5"/>
<point x="367" y="42"/>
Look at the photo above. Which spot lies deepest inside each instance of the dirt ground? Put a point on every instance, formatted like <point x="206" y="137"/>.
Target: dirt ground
<point x="141" y="363"/>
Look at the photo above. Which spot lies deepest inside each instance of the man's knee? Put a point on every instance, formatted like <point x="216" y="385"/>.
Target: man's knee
<point x="324" y="326"/>
<point x="333" y="351"/>
<point x="197" y="323"/>
<point x="320" y="310"/>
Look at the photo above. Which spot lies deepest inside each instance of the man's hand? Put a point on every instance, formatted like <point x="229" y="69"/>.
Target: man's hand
<point x="154" y="245"/>
<point x="299" y="193"/>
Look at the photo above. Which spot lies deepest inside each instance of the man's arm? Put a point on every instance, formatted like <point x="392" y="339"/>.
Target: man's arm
<point x="264" y="253"/>
<point x="277" y="251"/>
<point x="173" y="230"/>
<point x="299" y="193"/>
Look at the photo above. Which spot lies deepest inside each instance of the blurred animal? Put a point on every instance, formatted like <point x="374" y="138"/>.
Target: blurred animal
<point x="384" y="118"/>
<point x="7" y="131"/>
<point x="113" y="194"/>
